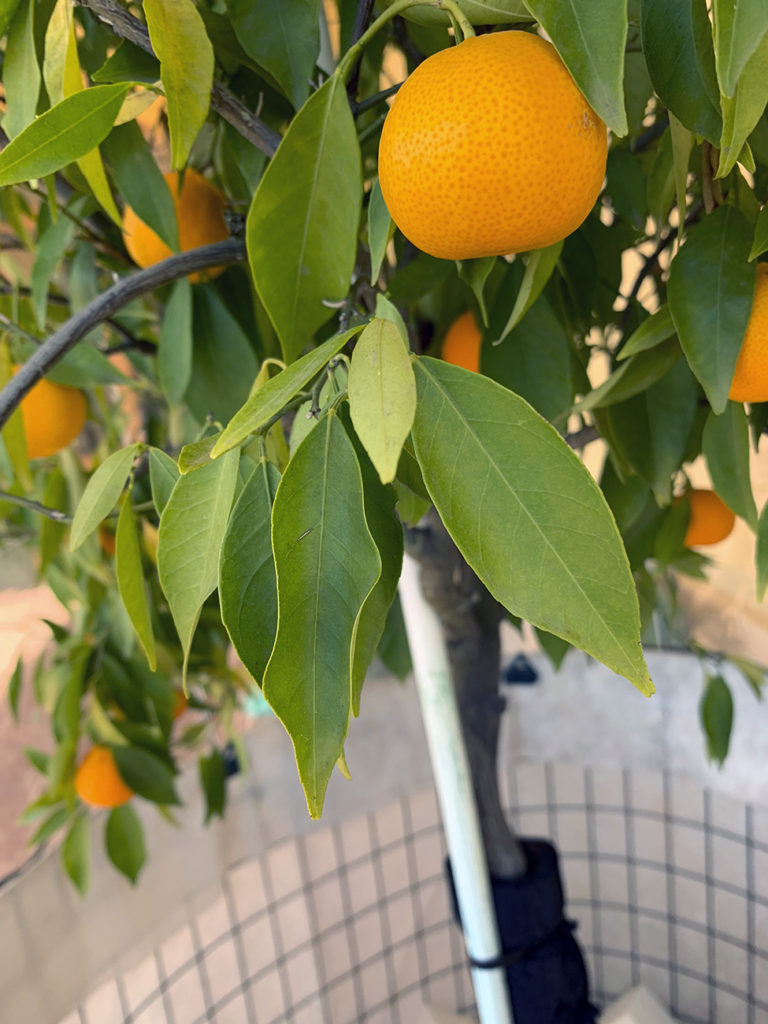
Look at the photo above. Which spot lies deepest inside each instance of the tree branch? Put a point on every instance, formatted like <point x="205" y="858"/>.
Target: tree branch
<point x="104" y="305"/>
<point x="35" y="506"/>
<point x="223" y="101"/>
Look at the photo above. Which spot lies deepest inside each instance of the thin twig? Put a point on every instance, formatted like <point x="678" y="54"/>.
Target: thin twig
<point x="362" y="20"/>
<point x="35" y="506"/>
<point x="252" y="128"/>
<point x="104" y="305"/>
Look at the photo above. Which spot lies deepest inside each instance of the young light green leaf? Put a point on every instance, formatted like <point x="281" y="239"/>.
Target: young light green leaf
<point x="62" y="134"/>
<point x="527" y="515"/>
<point x="174" y="355"/>
<point x="247" y="587"/>
<point x="651" y="332"/>
<point x="761" y="553"/>
<point x="716" y="715"/>
<point x="102" y="493"/>
<point x="198" y="453"/>
<point x="739" y="28"/>
<point x="725" y="444"/>
<point x="278" y="392"/>
<point x="538" y="271"/>
<point x="710" y="292"/>
<point x="21" y="71"/>
<point x="302" y="225"/>
<point x="283" y="37"/>
<point x="76" y="853"/>
<point x="743" y="110"/>
<point x="382" y="395"/>
<point x="591" y="40"/>
<point x="213" y="777"/>
<point x="163" y="474"/>
<point x="124" y="839"/>
<point x="381" y="228"/>
<point x="179" y="39"/>
<point x="130" y="579"/>
<point x="192" y="528"/>
<point x="146" y="774"/>
<point x="388" y="311"/>
<point x="327" y="564"/>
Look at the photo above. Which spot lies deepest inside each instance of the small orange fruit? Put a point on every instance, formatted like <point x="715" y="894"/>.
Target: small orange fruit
<point x="53" y="416"/>
<point x="461" y="344"/>
<point x="98" y="782"/>
<point x="200" y="216"/>
<point x="750" y="379"/>
<point x="711" y="520"/>
<point x="490" y="148"/>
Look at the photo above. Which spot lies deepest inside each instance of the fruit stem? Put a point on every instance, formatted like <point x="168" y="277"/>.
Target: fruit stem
<point x="348" y="61"/>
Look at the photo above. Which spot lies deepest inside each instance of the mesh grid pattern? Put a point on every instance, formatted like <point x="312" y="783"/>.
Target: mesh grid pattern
<point x="348" y="924"/>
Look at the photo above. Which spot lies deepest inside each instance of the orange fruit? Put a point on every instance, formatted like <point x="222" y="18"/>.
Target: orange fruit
<point x="711" y="520"/>
<point x="98" y="782"/>
<point x="200" y="216"/>
<point x="53" y="416"/>
<point x="461" y="344"/>
<point x="489" y="148"/>
<point x="750" y="378"/>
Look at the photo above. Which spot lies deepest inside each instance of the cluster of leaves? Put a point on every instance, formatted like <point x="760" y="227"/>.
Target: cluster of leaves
<point x="293" y="419"/>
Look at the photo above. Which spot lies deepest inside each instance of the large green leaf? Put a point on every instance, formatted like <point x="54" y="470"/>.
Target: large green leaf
<point x="327" y="564"/>
<point x="279" y="391"/>
<point x="21" y="71"/>
<point x="186" y="58"/>
<point x="739" y="27"/>
<point x="124" y="838"/>
<point x="102" y="493"/>
<point x="527" y="515"/>
<point x="146" y="774"/>
<point x="130" y="579"/>
<point x="247" y="588"/>
<point x="62" y="134"/>
<point x="302" y="224"/>
<point x="725" y="444"/>
<point x="742" y="111"/>
<point x="591" y="39"/>
<point x="382" y="395"/>
<point x="710" y="290"/>
<point x="191" y="531"/>
<point x="678" y="50"/>
<point x="283" y="37"/>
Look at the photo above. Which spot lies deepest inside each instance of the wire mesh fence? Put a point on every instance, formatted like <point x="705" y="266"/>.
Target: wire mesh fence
<point x="351" y="923"/>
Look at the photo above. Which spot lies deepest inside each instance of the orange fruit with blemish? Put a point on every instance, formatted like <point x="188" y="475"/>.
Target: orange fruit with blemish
<point x="461" y="344"/>
<point x="98" y="783"/>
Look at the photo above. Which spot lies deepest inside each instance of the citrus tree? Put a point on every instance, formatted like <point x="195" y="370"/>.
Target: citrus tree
<point x="256" y="345"/>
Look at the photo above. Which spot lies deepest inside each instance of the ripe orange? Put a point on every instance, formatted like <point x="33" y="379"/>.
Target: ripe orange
<point x="750" y="379"/>
<point x="489" y="148"/>
<point x="98" y="782"/>
<point x="711" y="520"/>
<point x="200" y="215"/>
<point x="53" y="416"/>
<point x="461" y="344"/>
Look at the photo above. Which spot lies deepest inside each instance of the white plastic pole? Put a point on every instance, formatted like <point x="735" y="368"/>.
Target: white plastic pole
<point x="453" y="780"/>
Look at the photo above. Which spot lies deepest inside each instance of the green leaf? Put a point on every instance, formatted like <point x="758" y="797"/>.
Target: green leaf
<point x="130" y="580"/>
<point x="633" y="376"/>
<point x="128" y="63"/>
<point x="526" y="515"/>
<point x="76" y="853"/>
<point x="7" y="10"/>
<point x="37" y="759"/>
<point x="761" y="554"/>
<point x="553" y="646"/>
<point x="739" y="28"/>
<point x="302" y="225"/>
<point x="213" y="778"/>
<point x="479" y="12"/>
<point x="102" y="494"/>
<point x="21" y="71"/>
<point x="538" y="271"/>
<point x="743" y="111"/>
<point x="716" y="715"/>
<point x="278" y="392"/>
<point x="678" y="50"/>
<point x="62" y="134"/>
<point x="52" y="244"/>
<point x="710" y="291"/>
<point x="197" y="454"/>
<point x="760" y="241"/>
<point x="626" y="186"/>
<point x="163" y="474"/>
<point x="476" y="273"/>
<point x="725" y="445"/>
<point x="141" y="183"/>
<point x="124" y="839"/>
<point x="283" y="37"/>
<point x="146" y="774"/>
<point x="327" y="564"/>
<point x="50" y="826"/>
<point x="247" y="586"/>
<point x="381" y="228"/>
<point x="753" y="674"/>
<point x="651" y="332"/>
<point x="393" y="646"/>
<point x="179" y="39"/>
<point x="382" y="395"/>
<point x="682" y="144"/>
<point x="14" y="689"/>
<point x="591" y="39"/>
<point x="174" y="355"/>
<point x="192" y="528"/>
